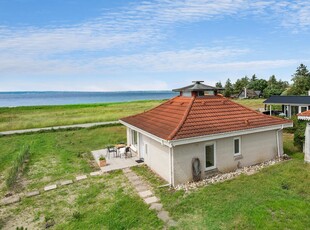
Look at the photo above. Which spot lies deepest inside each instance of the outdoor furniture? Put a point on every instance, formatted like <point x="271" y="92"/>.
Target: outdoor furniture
<point x="118" y="147"/>
<point x="111" y="150"/>
<point x="128" y="152"/>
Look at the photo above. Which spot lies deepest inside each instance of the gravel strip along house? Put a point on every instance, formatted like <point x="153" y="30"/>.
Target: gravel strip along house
<point x="200" y="132"/>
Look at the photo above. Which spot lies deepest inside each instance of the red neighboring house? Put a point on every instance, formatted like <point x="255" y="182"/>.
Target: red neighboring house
<point x="203" y="128"/>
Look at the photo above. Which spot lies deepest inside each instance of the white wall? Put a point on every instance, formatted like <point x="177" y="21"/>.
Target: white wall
<point x="255" y="148"/>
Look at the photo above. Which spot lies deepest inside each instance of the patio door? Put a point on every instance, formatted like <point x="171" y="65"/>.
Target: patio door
<point x="210" y="161"/>
<point x="141" y="147"/>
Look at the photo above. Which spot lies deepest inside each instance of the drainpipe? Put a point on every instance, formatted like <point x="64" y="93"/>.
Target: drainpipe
<point x="170" y="165"/>
<point x="278" y="141"/>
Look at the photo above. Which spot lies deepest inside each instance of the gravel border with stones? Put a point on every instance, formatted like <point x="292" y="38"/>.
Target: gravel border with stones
<point x="221" y="177"/>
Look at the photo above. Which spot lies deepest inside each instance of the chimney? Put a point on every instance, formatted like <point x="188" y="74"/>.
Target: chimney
<point x="308" y="92"/>
<point x="245" y="92"/>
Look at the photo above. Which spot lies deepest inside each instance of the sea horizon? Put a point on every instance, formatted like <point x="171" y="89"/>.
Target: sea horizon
<point x="45" y="98"/>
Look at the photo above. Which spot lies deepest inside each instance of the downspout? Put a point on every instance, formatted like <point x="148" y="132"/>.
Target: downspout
<point x="171" y="165"/>
<point x="278" y="141"/>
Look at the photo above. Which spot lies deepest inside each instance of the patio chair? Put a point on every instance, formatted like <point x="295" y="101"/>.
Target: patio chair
<point x="128" y="152"/>
<point x="111" y="150"/>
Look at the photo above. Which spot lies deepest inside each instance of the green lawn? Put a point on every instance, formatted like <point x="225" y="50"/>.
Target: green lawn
<point x="56" y="155"/>
<point x="251" y="103"/>
<point x="103" y="202"/>
<point x="278" y="197"/>
<point x="45" y="116"/>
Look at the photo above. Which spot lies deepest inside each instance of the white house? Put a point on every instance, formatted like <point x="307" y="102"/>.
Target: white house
<point x="203" y="127"/>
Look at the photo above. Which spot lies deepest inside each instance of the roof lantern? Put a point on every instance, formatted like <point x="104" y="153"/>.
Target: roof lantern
<point x="197" y="89"/>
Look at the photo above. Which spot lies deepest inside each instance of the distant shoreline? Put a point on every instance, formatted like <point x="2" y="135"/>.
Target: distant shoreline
<point x="47" y="98"/>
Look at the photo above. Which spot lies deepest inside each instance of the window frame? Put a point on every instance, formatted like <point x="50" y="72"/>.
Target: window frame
<point x="214" y="153"/>
<point x="134" y="138"/>
<point x="239" y="147"/>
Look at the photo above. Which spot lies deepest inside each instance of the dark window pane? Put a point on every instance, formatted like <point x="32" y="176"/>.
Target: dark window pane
<point x="209" y="156"/>
<point x="236" y="144"/>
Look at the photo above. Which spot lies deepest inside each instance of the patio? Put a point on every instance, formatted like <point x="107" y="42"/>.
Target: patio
<point x="114" y="163"/>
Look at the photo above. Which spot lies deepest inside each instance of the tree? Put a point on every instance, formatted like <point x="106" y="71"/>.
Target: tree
<point x="301" y="81"/>
<point x="218" y="84"/>
<point x="241" y="84"/>
<point x="228" y="88"/>
<point x="275" y="87"/>
<point x="257" y="84"/>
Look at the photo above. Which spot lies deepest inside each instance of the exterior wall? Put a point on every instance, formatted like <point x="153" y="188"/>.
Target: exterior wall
<point x="155" y="155"/>
<point x="255" y="148"/>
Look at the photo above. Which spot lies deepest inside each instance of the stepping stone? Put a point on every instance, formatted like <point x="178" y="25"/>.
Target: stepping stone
<point x="137" y="182"/>
<point x="66" y="182"/>
<point x="10" y="200"/>
<point x="145" y="194"/>
<point x="32" y="193"/>
<point x="156" y="206"/>
<point x="133" y="178"/>
<point x="127" y="170"/>
<point x="164" y="216"/>
<point x="131" y="174"/>
<point x="95" y="173"/>
<point x="150" y="200"/>
<point x="141" y="188"/>
<point x="50" y="187"/>
<point x="82" y="177"/>
<point x="172" y="223"/>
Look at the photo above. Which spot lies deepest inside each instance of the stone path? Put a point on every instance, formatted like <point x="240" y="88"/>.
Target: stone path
<point x="86" y="125"/>
<point x="144" y="191"/>
<point x="17" y="197"/>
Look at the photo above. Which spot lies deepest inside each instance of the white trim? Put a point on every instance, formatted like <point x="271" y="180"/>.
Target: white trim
<point x="214" y="153"/>
<point x="287" y="104"/>
<point x="171" y="143"/>
<point x="239" y="153"/>
<point x="160" y="140"/>
<point x="228" y="134"/>
<point x="307" y="118"/>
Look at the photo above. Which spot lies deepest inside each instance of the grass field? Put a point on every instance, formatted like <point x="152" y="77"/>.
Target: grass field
<point x="55" y="155"/>
<point x="46" y="116"/>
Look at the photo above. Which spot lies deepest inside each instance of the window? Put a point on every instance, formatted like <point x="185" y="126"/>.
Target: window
<point x="303" y="109"/>
<point x="134" y="138"/>
<point x="210" y="156"/>
<point x="237" y="146"/>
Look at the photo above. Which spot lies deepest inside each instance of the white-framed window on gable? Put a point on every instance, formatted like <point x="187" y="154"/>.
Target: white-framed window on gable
<point x="237" y="146"/>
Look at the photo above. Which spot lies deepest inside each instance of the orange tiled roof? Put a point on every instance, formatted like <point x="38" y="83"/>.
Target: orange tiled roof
<point x="304" y="114"/>
<point x="184" y="117"/>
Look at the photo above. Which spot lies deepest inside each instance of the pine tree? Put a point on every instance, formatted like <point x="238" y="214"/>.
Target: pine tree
<point x="301" y="81"/>
<point x="228" y="88"/>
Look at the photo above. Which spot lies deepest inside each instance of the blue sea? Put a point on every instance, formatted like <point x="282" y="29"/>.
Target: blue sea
<point x="13" y="99"/>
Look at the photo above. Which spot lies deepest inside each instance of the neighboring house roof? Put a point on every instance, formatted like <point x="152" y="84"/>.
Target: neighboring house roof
<point x="249" y="93"/>
<point x="299" y="100"/>
<point x="304" y="115"/>
<point x="185" y="117"/>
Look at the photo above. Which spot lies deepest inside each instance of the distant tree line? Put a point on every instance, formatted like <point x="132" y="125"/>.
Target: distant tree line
<point x="272" y="86"/>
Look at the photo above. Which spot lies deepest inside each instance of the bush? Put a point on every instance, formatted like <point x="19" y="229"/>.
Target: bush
<point x="299" y="133"/>
<point x="17" y="167"/>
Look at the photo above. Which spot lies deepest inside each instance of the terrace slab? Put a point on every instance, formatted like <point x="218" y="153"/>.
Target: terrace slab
<point x="164" y="216"/>
<point x="10" y="200"/>
<point x="145" y="194"/>
<point x="95" y="173"/>
<point x="142" y="187"/>
<point x="33" y="193"/>
<point x="82" y="177"/>
<point x="150" y="200"/>
<point x="50" y="187"/>
<point x="66" y="182"/>
<point x="156" y="206"/>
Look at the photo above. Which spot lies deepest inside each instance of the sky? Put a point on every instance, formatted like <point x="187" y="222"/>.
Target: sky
<point x="78" y="45"/>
